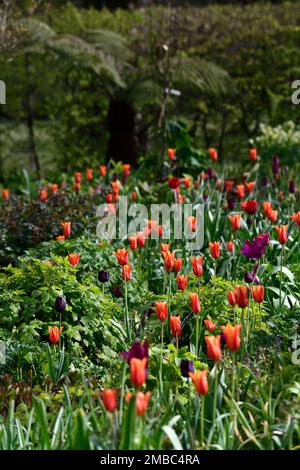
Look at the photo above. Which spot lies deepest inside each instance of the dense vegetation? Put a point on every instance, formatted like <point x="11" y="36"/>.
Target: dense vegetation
<point x="74" y="94"/>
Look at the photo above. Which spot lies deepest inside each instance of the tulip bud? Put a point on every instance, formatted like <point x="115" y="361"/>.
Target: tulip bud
<point x="103" y="276"/>
<point x="60" y="304"/>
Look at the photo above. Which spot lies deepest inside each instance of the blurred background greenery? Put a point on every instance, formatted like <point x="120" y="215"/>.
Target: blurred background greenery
<point x="88" y="80"/>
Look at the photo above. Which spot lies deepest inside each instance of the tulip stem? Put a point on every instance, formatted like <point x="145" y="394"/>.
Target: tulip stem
<point x="233" y="374"/>
<point x="215" y="394"/>
<point x="59" y="330"/>
<point x="281" y="265"/>
<point x="122" y="393"/>
<point x="202" y="421"/>
<point x="126" y="313"/>
<point x="197" y="334"/>
<point x="161" y="360"/>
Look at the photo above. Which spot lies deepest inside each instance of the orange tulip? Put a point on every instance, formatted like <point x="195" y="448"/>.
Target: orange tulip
<point x="109" y="198"/>
<point x="169" y="259"/>
<point x="282" y="234"/>
<point x="141" y="239"/>
<point x="195" y="303"/>
<point x="5" y="194"/>
<point x="209" y="325"/>
<point x="102" y="170"/>
<point x="171" y="153"/>
<point x="241" y="296"/>
<point x="126" y="272"/>
<point x="175" y="325"/>
<point x="235" y="221"/>
<point x="213" y="344"/>
<point x="213" y="153"/>
<point x="76" y="187"/>
<point x="187" y="182"/>
<point x="253" y="154"/>
<point x="43" y="195"/>
<point x="138" y="371"/>
<point x="258" y="293"/>
<point x="269" y="212"/>
<point x="78" y="177"/>
<point x="240" y="191"/>
<point x="109" y="399"/>
<point x="54" y="188"/>
<point x="230" y="246"/>
<point x="215" y="249"/>
<point x="66" y="226"/>
<point x="231" y="298"/>
<point x="296" y="217"/>
<point x="229" y="185"/>
<point x="141" y="402"/>
<point x="60" y="237"/>
<point x="126" y="170"/>
<point x="133" y="242"/>
<point x="134" y="196"/>
<point x="177" y="264"/>
<point x="250" y="186"/>
<point x="199" y="379"/>
<point x="164" y="247"/>
<point x="232" y="336"/>
<point x="192" y="223"/>
<point x="89" y="174"/>
<point x="122" y="256"/>
<point x="182" y="281"/>
<point x="197" y="264"/>
<point x="115" y="185"/>
<point x="162" y="310"/>
<point x="54" y="334"/>
<point x="74" y="259"/>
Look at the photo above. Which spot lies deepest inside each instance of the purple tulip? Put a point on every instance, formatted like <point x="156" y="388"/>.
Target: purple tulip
<point x="103" y="276"/>
<point x="186" y="367"/>
<point x="210" y="173"/>
<point x="292" y="187"/>
<point x="265" y="181"/>
<point x="256" y="249"/>
<point x="276" y="162"/>
<point x="118" y="292"/>
<point x="248" y="278"/>
<point x="231" y="203"/>
<point x="60" y="304"/>
<point x="138" y="350"/>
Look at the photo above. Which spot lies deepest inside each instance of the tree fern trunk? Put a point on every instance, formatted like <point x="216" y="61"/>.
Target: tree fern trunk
<point x="34" y="158"/>
<point x="122" y="145"/>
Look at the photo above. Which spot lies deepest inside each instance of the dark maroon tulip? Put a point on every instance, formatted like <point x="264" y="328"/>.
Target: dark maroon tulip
<point x="138" y="350"/>
<point x="292" y="187"/>
<point x="118" y="292"/>
<point x="231" y="203"/>
<point x="186" y="367"/>
<point x="103" y="276"/>
<point x="265" y="181"/>
<point x="276" y="162"/>
<point x="248" y="278"/>
<point x="60" y="304"/>
<point x="210" y="173"/>
<point x="256" y="249"/>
